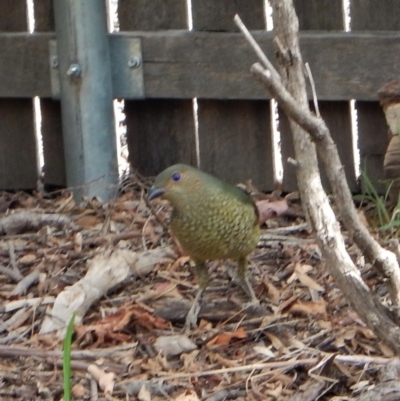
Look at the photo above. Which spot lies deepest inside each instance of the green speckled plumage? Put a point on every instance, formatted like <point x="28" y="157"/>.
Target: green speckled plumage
<point x="211" y="219"/>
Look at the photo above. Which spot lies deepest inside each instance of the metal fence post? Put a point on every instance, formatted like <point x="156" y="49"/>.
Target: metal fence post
<point x="86" y="97"/>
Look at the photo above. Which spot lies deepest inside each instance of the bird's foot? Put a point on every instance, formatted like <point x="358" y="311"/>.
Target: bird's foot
<point x="192" y="316"/>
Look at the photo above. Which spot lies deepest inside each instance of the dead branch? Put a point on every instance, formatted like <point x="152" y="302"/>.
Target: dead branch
<point x="22" y="287"/>
<point x="383" y="259"/>
<point x="16" y="276"/>
<point x="292" y="97"/>
<point x="105" y="271"/>
<point x="25" y="221"/>
<point x="55" y="357"/>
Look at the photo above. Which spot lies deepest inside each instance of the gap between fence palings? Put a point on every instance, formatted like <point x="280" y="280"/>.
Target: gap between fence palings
<point x="315" y="200"/>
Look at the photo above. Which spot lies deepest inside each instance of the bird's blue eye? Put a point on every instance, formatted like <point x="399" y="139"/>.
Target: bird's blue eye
<point x="176" y="177"/>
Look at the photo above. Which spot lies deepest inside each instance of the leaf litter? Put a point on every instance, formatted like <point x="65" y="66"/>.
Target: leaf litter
<point x="117" y="267"/>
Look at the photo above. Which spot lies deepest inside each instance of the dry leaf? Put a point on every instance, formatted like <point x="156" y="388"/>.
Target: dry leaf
<point x="79" y="391"/>
<point x="266" y="351"/>
<point x="105" y="380"/>
<point x="277" y="343"/>
<point x="307" y="280"/>
<point x="78" y="242"/>
<point x="88" y="222"/>
<point x="276" y="393"/>
<point x="309" y="308"/>
<point x="144" y="394"/>
<point x="346" y="335"/>
<point x="361" y="386"/>
<point x="273" y="293"/>
<point x="386" y="351"/>
<point x="188" y="395"/>
<point x="27" y="259"/>
<point x="267" y="209"/>
<point x="189" y="361"/>
<point x="225" y="338"/>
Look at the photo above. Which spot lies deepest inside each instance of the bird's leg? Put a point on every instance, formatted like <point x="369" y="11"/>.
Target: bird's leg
<point x="245" y="283"/>
<point x="202" y="279"/>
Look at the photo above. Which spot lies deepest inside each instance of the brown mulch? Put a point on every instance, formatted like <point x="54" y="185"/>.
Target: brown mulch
<point x="305" y="343"/>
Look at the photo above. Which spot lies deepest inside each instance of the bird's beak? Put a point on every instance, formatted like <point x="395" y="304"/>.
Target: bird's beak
<point x="155" y="192"/>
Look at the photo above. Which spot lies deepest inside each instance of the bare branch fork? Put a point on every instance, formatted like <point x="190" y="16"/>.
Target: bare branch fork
<point x="291" y="95"/>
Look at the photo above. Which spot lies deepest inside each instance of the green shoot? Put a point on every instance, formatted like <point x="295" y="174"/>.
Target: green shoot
<point x="387" y="219"/>
<point x="373" y="196"/>
<point x="67" y="359"/>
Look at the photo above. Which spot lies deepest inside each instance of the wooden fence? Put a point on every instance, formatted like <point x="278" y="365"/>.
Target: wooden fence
<point x="211" y="63"/>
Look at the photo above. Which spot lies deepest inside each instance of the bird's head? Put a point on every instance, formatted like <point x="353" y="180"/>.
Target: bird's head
<point x="176" y="183"/>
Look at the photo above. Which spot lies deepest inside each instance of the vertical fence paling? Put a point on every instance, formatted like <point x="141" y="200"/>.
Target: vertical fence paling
<point x="322" y="15"/>
<point x="18" y="169"/>
<point x="53" y="146"/>
<point x="160" y="132"/>
<point x="373" y="15"/>
<point x="235" y="135"/>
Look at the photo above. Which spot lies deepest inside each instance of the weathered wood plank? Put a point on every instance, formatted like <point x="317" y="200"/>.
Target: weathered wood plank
<point x="217" y="65"/>
<point x="160" y="132"/>
<point x="44" y="15"/>
<point x="160" y="137"/>
<point x="335" y="116"/>
<point x="18" y="169"/>
<point x="371" y="15"/>
<point x="235" y="141"/>
<point x="373" y="140"/>
<point x="13" y="16"/>
<point x="53" y="146"/>
<point x="338" y="119"/>
<point x="153" y="15"/>
<point x="316" y="15"/>
<point x="234" y="135"/>
<point x="211" y="15"/>
<point x="323" y="15"/>
<point x="179" y="64"/>
<point x="375" y="15"/>
<point x="24" y="67"/>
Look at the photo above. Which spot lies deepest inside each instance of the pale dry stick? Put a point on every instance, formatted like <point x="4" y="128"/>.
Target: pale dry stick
<point x="143" y="230"/>
<point x="175" y="280"/>
<point x="16" y="351"/>
<point x="323" y="362"/>
<point x="248" y="379"/>
<point x="266" y="236"/>
<point x="22" y="287"/>
<point x="287" y="230"/>
<point x="261" y="55"/>
<point x="4" y="326"/>
<point x="18" y="334"/>
<point x="245" y="368"/>
<point x="13" y="260"/>
<point x="16" y="276"/>
<point x="94" y="394"/>
<point x="363" y="359"/>
<point x="314" y="92"/>
<point x="21" y="303"/>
